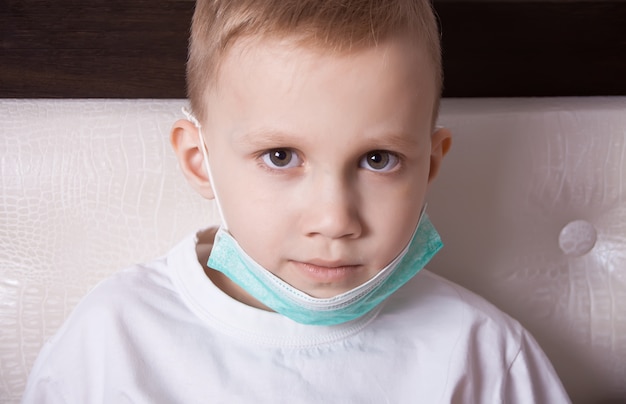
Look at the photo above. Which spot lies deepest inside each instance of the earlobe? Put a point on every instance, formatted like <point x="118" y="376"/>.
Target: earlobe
<point x="186" y="144"/>
<point x="441" y="141"/>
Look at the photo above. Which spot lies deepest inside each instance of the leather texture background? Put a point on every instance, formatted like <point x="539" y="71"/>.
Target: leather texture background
<point x="530" y="203"/>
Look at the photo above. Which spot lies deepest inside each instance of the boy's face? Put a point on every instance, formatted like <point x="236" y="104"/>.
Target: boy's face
<point x="321" y="161"/>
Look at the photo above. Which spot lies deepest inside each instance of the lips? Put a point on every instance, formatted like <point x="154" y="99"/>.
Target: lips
<point x="327" y="271"/>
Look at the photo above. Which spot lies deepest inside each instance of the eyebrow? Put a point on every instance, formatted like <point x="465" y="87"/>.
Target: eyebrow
<point x="263" y="138"/>
<point x="271" y="138"/>
<point x="395" y="140"/>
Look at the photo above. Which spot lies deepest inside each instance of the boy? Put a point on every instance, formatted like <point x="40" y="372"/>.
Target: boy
<point x="313" y="130"/>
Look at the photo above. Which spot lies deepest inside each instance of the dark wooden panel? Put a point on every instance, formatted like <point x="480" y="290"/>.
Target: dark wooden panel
<point x="534" y="49"/>
<point x="137" y="48"/>
<point x="95" y="48"/>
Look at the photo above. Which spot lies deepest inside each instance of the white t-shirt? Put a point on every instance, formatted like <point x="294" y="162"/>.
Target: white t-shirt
<point x="163" y="333"/>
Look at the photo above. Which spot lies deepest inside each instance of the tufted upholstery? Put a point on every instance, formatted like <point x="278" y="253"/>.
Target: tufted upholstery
<point x="531" y="204"/>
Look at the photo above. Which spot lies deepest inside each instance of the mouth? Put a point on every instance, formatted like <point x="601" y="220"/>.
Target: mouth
<point x="327" y="271"/>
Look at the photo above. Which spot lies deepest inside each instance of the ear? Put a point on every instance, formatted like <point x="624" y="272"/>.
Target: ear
<point x="185" y="140"/>
<point x="441" y="141"/>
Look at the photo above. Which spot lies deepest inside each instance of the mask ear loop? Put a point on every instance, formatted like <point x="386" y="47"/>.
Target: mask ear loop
<point x="205" y="155"/>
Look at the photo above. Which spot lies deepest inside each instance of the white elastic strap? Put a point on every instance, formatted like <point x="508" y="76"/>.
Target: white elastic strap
<point x="207" y="166"/>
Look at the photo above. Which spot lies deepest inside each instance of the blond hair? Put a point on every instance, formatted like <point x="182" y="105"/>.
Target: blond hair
<point x="338" y="25"/>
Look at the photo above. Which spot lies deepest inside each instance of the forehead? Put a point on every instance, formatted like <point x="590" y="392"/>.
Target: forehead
<point x="254" y="49"/>
<point x="267" y="78"/>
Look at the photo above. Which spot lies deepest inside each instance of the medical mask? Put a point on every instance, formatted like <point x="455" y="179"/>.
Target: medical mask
<point x="228" y="257"/>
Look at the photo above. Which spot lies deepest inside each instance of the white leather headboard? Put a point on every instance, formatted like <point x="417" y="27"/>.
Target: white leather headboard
<point x="531" y="204"/>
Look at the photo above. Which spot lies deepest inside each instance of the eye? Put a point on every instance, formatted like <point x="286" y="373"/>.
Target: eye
<point x="379" y="160"/>
<point x="281" y="158"/>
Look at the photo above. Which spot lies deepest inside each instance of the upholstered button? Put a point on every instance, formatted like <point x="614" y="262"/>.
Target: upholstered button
<point x="577" y="238"/>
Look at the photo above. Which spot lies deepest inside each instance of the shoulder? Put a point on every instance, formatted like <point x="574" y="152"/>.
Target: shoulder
<point x="135" y="283"/>
<point x="114" y="306"/>
<point x="117" y="307"/>
<point x="459" y="327"/>
<point x="114" y="330"/>
<point x="135" y="293"/>
<point x="144" y="285"/>
<point x="429" y="295"/>
<point x="470" y="342"/>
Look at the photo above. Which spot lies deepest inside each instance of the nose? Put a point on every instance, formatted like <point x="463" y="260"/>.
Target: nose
<point x="332" y="209"/>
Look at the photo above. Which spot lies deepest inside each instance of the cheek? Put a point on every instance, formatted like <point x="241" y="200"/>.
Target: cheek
<point x="252" y="214"/>
<point x="257" y="220"/>
<point x="395" y="216"/>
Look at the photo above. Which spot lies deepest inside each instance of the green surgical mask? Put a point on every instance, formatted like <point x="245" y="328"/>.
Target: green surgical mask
<point x="228" y="257"/>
